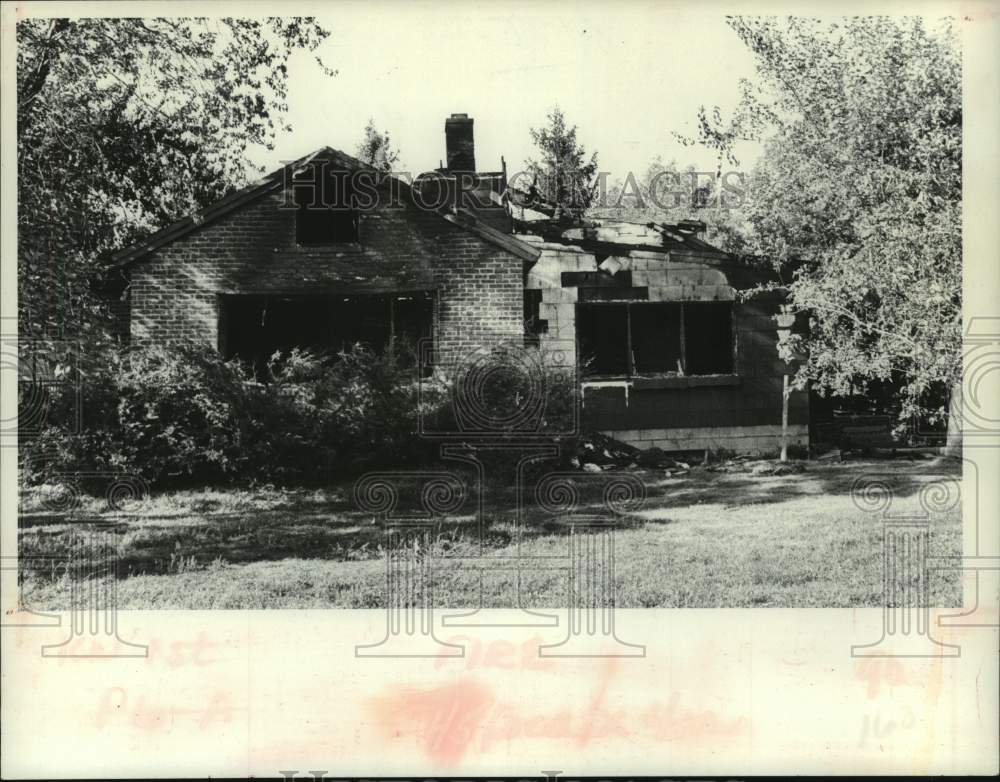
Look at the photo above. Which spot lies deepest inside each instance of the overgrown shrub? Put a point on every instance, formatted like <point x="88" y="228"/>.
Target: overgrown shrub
<point x="176" y="413"/>
<point x="313" y="417"/>
<point x="181" y="413"/>
<point x="510" y="396"/>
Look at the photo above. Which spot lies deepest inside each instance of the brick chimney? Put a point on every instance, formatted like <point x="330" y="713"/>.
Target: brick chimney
<point x="460" y="146"/>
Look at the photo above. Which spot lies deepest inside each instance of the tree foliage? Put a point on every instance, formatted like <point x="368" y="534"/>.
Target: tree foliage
<point x="859" y="191"/>
<point x="376" y="149"/>
<point x="562" y="173"/>
<point x="125" y="125"/>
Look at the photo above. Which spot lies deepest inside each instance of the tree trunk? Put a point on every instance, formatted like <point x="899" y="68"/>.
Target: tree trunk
<point x="953" y="441"/>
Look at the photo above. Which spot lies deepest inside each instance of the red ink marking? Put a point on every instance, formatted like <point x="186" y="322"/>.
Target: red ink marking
<point x="877" y="671"/>
<point x="446" y="718"/>
<point x="499" y="654"/>
<point x="141" y="713"/>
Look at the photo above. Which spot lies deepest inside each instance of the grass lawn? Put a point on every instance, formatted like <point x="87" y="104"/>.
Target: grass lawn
<point x="705" y="539"/>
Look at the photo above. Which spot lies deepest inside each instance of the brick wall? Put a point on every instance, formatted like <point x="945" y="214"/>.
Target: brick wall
<point x="480" y="300"/>
<point x="174" y="291"/>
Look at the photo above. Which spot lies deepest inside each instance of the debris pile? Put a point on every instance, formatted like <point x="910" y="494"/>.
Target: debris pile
<point x="753" y="466"/>
<point x="657" y="458"/>
<point x="598" y="452"/>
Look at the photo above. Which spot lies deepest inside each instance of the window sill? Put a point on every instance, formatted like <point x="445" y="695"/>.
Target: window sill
<point x="687" y="381"/>
<point x="337" y="247"/>
<point x="669" y="381"/>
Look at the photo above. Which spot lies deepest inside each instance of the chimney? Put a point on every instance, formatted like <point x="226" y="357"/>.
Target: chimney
<point x="460" y="146"/>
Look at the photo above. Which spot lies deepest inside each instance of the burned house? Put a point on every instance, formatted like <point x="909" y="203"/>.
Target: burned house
<point x="264" y="269"/>
<point x="665" y="351"/>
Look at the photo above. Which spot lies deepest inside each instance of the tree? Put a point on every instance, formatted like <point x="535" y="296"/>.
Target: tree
<point x="376" y="150"/>
<point x="563" y="175"/>
<point x="859" y="190"/>
<point x="125" y="125"/>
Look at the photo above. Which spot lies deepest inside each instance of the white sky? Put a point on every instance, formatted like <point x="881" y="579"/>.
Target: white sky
<point x="626" y="74"/>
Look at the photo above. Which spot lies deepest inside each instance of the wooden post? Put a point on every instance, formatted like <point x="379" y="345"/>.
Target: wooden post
<point x="784" y="418"/>
<point x="785" y="320"/>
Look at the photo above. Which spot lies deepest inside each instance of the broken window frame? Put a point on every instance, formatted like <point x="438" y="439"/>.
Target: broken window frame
<point x="534" y="325"/>
<point x="224" y="313"/>
<point x="631" y="372"/>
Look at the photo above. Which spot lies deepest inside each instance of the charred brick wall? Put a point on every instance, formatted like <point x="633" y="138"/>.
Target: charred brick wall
<point x="174" y="292"/>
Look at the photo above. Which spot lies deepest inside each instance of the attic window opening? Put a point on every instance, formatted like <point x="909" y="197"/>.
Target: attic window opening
<point x="649" y="339"/>
<point x="325" y="208"/>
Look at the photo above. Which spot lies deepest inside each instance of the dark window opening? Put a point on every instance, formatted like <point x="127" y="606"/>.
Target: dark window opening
<point x="602" y="334"/>
<point x="412" y="321"/>
<point x="708" y="334"/>
<point x="325" y="208"/>
<point x="655" y="338"/>
<point x="534" y="326"/>
<point x="253" y="328"/>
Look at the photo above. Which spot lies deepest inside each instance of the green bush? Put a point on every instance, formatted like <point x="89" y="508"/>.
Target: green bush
<point x="177" y="413"/>
<point x="181" y="413"/>
<point x="509" y="395"/>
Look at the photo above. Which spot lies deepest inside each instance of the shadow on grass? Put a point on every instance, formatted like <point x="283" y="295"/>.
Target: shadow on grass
<point x="164" y="538"/>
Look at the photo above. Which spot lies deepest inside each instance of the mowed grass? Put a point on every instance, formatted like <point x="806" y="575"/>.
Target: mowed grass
<point x="705" y="539"/>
